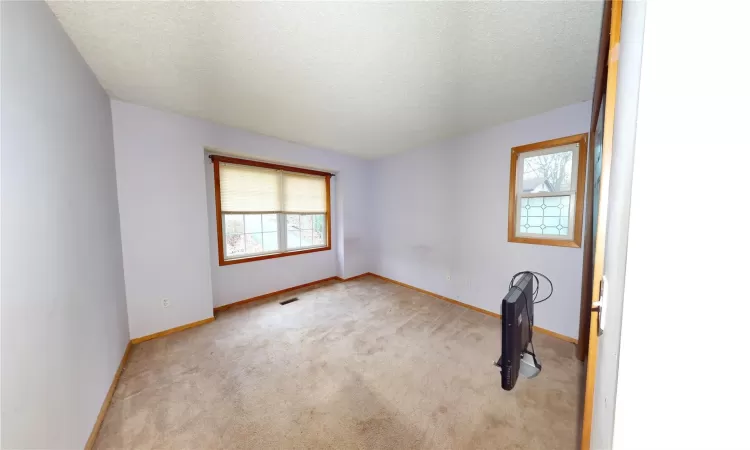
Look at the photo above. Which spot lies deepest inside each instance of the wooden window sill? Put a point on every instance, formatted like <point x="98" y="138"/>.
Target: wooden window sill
<point x="229" y="262"/>
<point x="540" y="241"/>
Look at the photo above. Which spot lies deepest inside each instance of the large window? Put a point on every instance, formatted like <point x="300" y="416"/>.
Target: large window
<point x="547" y="181"/>
<point x="266" y="210"/>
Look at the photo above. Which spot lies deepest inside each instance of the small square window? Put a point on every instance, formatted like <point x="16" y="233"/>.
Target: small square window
<point x="546" y="179"/>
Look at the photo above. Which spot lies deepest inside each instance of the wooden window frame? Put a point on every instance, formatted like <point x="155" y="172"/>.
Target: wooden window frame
<point x="580" y="171"/>
<point x="223" y="261"/>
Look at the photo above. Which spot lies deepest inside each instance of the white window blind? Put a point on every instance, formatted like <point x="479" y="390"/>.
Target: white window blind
<point x="304" y="193"/>
<point x="249" y="189"/>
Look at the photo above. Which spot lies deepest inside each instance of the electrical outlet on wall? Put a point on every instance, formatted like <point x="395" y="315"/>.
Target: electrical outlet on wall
<point x="165" y="302"/>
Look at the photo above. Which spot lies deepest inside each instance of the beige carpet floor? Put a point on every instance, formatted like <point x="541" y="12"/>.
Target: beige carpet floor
<point x="361" y="364"/>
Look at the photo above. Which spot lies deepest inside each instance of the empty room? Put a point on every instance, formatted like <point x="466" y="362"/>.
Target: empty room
<point x="374" y="225"/>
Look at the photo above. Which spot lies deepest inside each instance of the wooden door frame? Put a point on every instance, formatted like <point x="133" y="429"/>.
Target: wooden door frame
<point x="610" y="91"/>
<point x="588" y="257"/>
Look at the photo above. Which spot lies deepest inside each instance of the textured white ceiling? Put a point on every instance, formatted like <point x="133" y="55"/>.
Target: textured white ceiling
<point x="366" y="78"/>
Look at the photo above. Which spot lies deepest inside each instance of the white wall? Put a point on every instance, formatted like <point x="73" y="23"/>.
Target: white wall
<point x="683" y="380"/>
<point x="441" y="212"/>
<point x="64" y="320"/>
<point x="626" y="108"/>
<point x="168" y="220"/>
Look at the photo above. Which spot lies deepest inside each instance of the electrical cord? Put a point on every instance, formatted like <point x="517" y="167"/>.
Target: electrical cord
<point x="536" y="290"/>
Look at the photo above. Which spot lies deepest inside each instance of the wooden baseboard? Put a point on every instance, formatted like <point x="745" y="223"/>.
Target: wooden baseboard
<point x="171" y="330"/>
<point x="556" y="335"/>
<point x="474" y="308"/>
<point x="107" y="400"/>
<point x="449" y="300"/>
<point x="271" y="294"/>
<point x="354" y="277"/>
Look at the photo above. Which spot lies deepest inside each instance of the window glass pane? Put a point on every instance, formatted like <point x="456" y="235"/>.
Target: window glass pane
<point x="319" y="222"/>
<point x="270" y="222"/>
<point x="292" y="221"/>
<point x="307" y="238"/>
<point x="550" y="217"/>
<point x="254" y="243"/>
<point x="551" y="221"/>
<point x="535" y="221"/>
<point x="292" y="231"/>
<point x="270" y="241"/>
<point x="534" y="211"/>
<point x="233" y="223"/>
<point x="551" y="172"/>
<point x="250" y="234"/>
<point x="293" y="239"/>
<point x="252" y="223"/>
<point x="235" y="244"/>
<point x="523" y="225"/>
<point x="318" y="238"/>
<point x="320" y="231"/>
